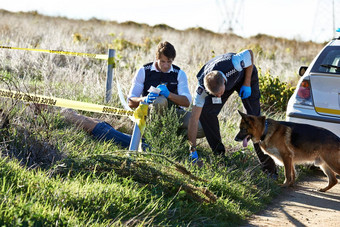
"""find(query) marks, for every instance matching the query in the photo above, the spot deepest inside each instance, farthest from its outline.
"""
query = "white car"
(316, 100)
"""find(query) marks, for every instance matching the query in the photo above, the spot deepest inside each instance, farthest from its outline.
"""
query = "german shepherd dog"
(291, 143)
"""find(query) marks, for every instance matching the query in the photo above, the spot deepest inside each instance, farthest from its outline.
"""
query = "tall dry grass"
(79, 78)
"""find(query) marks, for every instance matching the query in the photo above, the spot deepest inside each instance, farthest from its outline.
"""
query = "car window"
(328, 61)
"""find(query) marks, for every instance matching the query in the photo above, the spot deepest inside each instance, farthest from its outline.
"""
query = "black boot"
(219, 150)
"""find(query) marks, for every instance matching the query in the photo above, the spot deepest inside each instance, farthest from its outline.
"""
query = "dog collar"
(265, 130)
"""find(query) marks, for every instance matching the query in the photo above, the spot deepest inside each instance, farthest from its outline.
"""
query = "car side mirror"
(302, 70)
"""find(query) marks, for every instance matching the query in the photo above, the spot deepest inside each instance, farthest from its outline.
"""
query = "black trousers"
(211, 126)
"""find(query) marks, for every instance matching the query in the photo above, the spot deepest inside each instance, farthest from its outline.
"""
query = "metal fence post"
(109, 75)
(136, 135)
(135, 138)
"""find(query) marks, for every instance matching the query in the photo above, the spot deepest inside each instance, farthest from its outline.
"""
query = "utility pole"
(232, 14)
(333, 19)
(326, 20)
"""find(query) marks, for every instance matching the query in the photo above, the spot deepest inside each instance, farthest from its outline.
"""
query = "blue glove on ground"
(245, 92)
(164, 90)
(193, 157)
(151, 97)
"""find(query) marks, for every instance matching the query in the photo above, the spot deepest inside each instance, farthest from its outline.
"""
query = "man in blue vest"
(169, 78)
(217, 80)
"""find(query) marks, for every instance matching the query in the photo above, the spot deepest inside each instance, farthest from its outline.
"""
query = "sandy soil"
(303, 205)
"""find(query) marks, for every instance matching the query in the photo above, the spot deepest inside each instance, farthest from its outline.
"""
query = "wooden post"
(109, 75)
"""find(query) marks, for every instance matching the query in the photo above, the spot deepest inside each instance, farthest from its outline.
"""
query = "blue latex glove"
(245, 92)
(164, 90)
(151, 97)
(193, 157)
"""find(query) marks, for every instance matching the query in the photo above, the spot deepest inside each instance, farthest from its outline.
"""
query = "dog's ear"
(263, 119)
(243, 115)
(246, 118)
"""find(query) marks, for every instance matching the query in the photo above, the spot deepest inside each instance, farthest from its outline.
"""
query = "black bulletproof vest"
(224, 64)
(153, 78)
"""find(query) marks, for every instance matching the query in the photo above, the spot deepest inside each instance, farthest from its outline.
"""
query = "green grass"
(97, 183)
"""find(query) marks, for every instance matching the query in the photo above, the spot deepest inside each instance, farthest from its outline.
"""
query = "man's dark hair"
(167, 49)
(213, 82)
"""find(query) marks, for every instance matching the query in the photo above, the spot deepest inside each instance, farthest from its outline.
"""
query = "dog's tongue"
(245, 142)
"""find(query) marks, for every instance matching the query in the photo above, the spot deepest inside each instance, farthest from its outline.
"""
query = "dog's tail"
(332, 156)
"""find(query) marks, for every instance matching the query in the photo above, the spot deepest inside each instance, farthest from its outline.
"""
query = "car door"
(325, 82)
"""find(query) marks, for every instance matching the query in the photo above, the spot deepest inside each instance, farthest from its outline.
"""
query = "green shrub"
(256, 48)
(122, 44)
(163, 135)
(148, 43)
(274, 93)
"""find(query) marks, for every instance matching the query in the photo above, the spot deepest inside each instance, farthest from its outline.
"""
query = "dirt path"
(303, 205)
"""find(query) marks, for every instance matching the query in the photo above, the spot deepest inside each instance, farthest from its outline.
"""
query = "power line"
(232, 15)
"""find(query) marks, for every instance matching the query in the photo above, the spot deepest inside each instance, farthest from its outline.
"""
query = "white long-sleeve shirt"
(137, 87)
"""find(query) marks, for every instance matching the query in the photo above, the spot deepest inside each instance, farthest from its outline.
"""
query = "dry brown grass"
(83, 79)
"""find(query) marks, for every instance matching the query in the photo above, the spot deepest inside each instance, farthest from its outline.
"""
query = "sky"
(294, 19)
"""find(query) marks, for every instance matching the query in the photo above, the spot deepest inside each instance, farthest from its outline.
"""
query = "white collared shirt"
(137, 87)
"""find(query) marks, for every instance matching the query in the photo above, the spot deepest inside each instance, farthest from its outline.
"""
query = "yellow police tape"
(137, 116)
(97, 56)
(140, 116)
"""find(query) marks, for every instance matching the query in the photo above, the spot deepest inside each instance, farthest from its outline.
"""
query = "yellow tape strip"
(111, 61)
(97, 56)
(51, 101)
(326, 110)
(140, 116)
